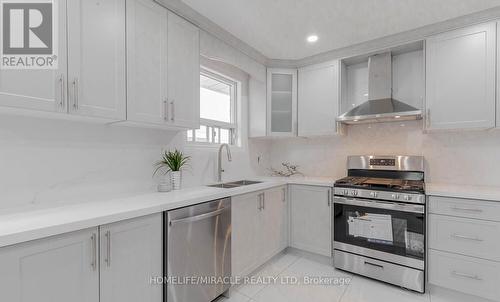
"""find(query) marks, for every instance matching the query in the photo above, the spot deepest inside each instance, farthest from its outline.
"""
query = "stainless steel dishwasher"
(198, 247)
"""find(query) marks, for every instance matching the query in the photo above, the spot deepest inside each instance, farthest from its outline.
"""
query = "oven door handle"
(401, 207)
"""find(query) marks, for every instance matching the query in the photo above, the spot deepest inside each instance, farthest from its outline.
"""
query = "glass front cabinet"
(281, 102)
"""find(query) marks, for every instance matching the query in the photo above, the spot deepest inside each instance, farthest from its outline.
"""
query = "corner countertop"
(463, 191)
(30, 223)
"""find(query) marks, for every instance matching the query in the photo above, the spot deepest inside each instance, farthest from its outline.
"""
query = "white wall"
(46, 161)
(466, 157)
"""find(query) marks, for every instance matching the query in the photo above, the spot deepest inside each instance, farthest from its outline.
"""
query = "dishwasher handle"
(198, 217)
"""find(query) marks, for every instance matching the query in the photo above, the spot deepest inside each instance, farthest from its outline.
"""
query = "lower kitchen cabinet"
(56, 269)
(107, 264)
(310, 219)
(463, 246)
(131, 253)
(259, 228)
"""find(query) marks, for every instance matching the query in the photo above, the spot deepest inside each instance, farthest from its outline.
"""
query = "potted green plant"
(173, 162)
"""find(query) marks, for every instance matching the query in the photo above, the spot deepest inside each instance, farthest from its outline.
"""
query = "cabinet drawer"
(465, 274)
(469, 237)
(468, 208)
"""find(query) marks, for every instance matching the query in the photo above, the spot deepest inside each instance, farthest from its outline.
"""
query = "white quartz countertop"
(34, 223)
(463, 191)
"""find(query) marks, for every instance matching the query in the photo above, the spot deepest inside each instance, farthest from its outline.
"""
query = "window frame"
(214, 125)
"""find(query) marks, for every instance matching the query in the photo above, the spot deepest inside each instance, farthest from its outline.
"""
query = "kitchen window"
(217, 110)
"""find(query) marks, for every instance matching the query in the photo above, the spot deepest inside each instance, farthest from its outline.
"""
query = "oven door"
(394, 232)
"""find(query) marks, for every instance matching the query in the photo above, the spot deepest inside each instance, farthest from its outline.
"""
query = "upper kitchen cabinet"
(90, 78)
(96, 58)
(318, 99)
(281, 102)
(183, 66)
(146, 62)
(44, 89)
(460, 78)
(163, 67)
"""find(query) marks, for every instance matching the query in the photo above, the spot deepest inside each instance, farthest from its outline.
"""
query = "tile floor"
(298, 264)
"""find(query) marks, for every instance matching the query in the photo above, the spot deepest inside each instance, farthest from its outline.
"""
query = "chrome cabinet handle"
(329, 197)
(172, 110)
(261, 201)
(464, 275)
(428, 118)
(61, 91)
(165, 110)
(108, 248)
(467, 237)
(467, 209)
(93, 251)
(284, 195)
(75, 93)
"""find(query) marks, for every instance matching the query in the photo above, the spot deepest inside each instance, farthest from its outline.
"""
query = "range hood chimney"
(380, 107)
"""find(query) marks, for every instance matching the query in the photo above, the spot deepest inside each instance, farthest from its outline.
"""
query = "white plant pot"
(176, 179)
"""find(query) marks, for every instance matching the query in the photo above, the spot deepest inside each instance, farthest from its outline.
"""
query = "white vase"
(176, 179)
(165, 184)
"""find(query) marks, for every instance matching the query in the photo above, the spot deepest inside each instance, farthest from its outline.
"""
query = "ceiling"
(278, 28)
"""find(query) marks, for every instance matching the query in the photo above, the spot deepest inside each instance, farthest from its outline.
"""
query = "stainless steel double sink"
(235, 184)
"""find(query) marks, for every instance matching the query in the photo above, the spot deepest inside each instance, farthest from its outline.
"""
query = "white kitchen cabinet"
(275, 222)
(318, 99)
(43, 90)
(163, 67)
(146, 62)
(56, 269)
(96, 58)
(183, 66)
(246, 221)
(310, 218)
(281, 102)
(469, 275)
(460, 78)
(131, 254)
(463, 246)
(259, 228)
(257, 108)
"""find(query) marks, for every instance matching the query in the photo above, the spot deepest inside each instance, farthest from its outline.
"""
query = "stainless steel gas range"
(379, 220)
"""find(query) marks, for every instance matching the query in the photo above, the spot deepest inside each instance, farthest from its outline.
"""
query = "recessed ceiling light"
(312, 38)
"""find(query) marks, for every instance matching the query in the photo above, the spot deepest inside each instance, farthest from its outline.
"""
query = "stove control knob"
(346, 192)
(395, 196)
(407, 197)
(374, 194)
(354, 193)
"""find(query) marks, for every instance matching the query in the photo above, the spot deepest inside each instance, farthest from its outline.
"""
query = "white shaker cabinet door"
(131, 254)
(275, 222)
(146, 62)
(43, 89)
(96, 58)
(460, 78)
(56, 269)
(245, 232)
(183, 73)
(318, 99)
(310, 219)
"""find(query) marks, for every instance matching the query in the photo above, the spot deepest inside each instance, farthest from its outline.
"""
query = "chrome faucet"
(219, 164)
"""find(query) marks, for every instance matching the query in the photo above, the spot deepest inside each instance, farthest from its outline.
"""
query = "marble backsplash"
(460, 157)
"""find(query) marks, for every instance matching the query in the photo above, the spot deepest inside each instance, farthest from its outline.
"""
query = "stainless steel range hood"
(380, 107)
